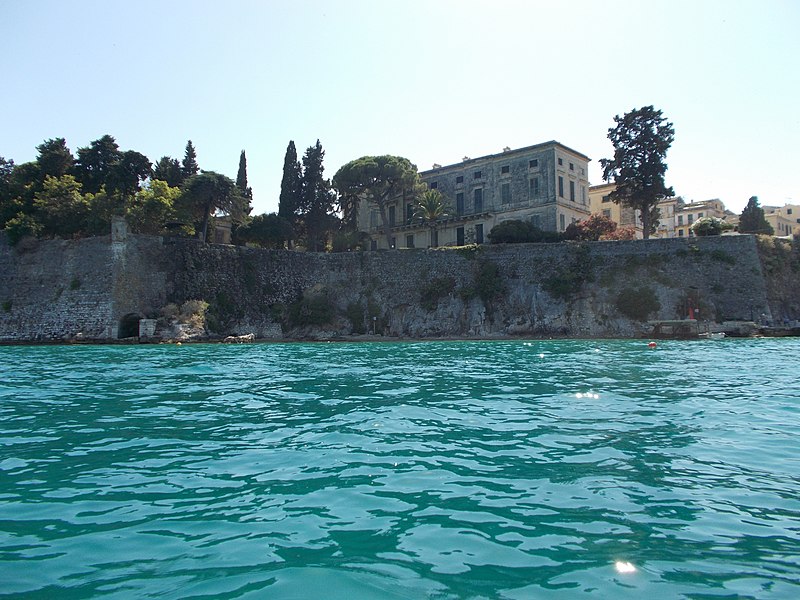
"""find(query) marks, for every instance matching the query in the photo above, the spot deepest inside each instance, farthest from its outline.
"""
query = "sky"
(431, 80)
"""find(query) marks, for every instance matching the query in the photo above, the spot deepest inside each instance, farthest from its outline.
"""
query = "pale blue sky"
(430, 80)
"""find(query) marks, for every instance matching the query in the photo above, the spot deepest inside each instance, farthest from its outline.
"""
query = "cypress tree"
(291, 186)
(189, 165)
(241, 177)
(316, 202)
(752, 219)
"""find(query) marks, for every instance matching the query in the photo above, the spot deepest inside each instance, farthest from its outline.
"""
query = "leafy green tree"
(189, 165)
(169, 170)
(20, 226)
(241, 177)
(641, 139)
(62, 207)
(266, 230)
(54, 159)
(95, 162)
(291, 189)
(378, 180)
(316, 204)
(152, 207)
(430, 207)
(210, 193)
(9, 206)
(752, 219)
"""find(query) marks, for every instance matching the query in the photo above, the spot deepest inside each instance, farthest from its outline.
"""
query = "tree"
(209, 193)
(267, 231)
(429, 208)
(641, 139)
(152, 207)
(591, 229)
(169, 170)
(291, 188)
(241, 177)
(752, 219)
(62, 207)
(377, 179)
(54, 159)
(95, 162)
(316, 199)
(127, 172)
(189, 165)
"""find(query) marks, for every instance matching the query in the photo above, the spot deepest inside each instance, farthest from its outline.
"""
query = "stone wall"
(63, 289)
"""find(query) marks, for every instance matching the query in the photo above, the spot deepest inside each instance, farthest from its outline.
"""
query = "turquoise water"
(401, 470)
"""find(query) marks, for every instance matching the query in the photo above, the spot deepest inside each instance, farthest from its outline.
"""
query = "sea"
(415, 470)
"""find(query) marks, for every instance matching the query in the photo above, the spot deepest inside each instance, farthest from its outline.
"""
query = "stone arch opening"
(129, 326)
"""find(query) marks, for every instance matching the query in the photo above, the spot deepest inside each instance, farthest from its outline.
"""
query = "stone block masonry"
(92, 288)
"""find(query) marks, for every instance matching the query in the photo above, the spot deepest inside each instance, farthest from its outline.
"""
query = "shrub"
(637, 303)
(313, 309)
(520, 232)
(434, 290)
(489, 283)
(707, 226)
(620, 234)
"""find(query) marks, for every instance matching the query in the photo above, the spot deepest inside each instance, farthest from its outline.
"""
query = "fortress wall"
(264, 291)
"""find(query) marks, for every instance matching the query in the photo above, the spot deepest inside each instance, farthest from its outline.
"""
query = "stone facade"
(95, 288)
(545, 184)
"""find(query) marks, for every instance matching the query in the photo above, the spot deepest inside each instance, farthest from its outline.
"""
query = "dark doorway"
(129, 326)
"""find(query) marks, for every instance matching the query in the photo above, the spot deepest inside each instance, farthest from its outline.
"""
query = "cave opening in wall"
(129, 326)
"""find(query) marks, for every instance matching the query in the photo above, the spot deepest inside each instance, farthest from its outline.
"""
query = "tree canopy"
(377, 179)
(208, 193)
(752, 219)
(641, 139)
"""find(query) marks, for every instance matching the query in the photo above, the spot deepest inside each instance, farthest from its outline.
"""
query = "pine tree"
(189, 165)
(317, 199)
(241, 177)
(752, 219)
(291, 187)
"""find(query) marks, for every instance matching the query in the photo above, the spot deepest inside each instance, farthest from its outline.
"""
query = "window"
(476, 175)
(410, 241)
(583, 195)
(533, 164)
(560, 162)
(479, 233)
(478, 200)
(393, 243)
(533, 186)
(690, 219)
(373, 245)
(606, 199)
(505, 193)
(434, 238)
(699, 215)
(788, 211)
(680, 232)
(460, 179)
(434, 185)
(460, 203)
(409, 213)
(391, 216)
(607, 213)
(572, 191)
(561, 222)
(460, 236)
(680, 219)
(561, 187)
(571, 167)
(505, 169)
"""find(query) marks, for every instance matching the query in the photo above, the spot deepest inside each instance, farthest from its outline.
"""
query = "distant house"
(545, 185)
(784, 219)
(600, 203)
